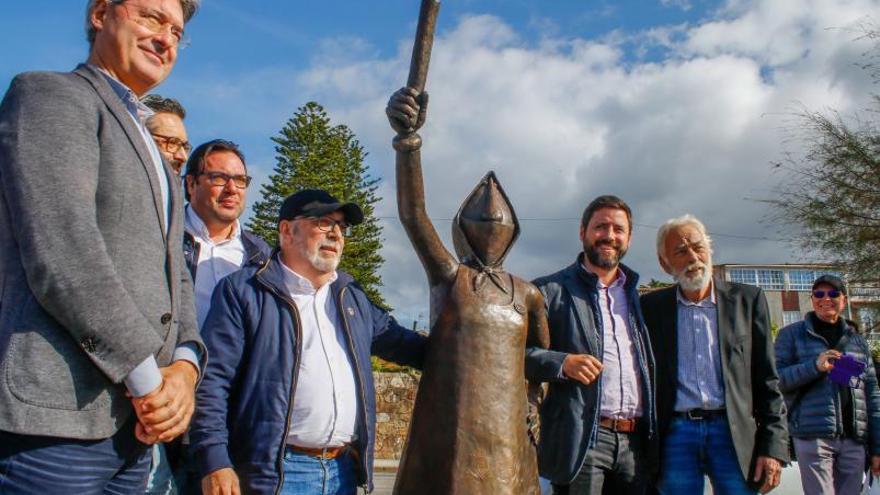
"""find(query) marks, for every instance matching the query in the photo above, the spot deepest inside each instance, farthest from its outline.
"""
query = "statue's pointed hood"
(485, 228)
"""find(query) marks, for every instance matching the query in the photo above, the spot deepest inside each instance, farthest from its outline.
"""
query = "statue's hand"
(407, 110)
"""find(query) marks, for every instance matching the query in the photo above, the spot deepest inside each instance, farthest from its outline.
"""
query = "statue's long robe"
(469, 432)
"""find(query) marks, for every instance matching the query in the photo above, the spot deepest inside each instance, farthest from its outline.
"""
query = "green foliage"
(380, 364)
(875, 349)
(311, 153)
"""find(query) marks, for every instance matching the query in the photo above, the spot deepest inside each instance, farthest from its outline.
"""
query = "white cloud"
(563, 120)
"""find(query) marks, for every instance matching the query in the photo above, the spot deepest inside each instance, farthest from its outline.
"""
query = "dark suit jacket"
(92, 281)
(755, 408)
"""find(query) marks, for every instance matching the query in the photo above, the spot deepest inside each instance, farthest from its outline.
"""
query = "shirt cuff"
(189, 352)
(144, 378)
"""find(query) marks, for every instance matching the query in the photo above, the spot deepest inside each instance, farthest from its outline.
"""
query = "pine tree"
(311, 153)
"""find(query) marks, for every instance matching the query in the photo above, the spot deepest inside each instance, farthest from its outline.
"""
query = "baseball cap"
(317, 203)
(831, 280)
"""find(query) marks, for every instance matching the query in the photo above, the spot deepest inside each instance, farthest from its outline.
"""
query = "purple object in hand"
(847, 371)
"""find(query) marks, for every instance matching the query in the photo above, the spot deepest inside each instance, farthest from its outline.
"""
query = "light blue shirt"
(146, 377)
(700, 381)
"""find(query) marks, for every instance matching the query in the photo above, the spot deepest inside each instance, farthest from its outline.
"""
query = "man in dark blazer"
(719, 408)
(597, 421)
(99, 347)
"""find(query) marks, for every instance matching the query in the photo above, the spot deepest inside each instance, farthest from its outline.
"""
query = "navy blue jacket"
(817, 411)
(570, 412)
(254, 339)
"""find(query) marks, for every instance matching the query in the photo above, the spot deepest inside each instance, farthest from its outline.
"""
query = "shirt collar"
(708, 302)
(197, 228)
(299, 285)
(132, 103)
(618, 282)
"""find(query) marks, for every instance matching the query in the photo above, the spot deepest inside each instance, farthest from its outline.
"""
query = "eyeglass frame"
(831, 293)
(344, 228)
(213, 175)
(168, 143)
(181, 40)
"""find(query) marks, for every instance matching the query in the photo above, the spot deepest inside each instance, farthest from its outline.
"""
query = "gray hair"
(160, 104)
(674, 223)
(189, 10)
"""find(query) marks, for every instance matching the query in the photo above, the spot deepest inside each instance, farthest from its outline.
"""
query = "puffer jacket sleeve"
(223, 333)
(794, 371)
(872, 398)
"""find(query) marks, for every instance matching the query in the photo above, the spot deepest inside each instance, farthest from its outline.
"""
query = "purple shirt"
(621, 396)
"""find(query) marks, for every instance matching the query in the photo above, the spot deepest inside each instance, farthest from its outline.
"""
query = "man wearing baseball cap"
(287, 403)
(834, 427)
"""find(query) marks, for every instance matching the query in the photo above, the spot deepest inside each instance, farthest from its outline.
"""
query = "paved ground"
(791, 483)
(383, 483)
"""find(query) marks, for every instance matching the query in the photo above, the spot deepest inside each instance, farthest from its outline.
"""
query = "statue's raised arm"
(406, 112)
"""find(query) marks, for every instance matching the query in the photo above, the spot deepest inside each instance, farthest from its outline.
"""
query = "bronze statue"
(469, 434)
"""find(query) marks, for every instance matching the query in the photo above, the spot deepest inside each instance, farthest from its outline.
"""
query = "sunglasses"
(820, 294)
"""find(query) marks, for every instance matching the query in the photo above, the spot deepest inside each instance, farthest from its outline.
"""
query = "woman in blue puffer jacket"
(834, 428)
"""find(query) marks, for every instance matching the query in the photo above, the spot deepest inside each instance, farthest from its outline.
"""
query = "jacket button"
(88, 344)
(166, 318)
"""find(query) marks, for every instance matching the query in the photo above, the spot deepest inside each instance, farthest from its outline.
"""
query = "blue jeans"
(161, 479)
(46, 465)
(308, 475)
(693, 449)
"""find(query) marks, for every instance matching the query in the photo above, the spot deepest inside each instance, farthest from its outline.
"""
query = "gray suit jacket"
(90, 285)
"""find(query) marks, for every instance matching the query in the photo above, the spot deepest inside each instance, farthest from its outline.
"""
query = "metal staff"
(421, 54)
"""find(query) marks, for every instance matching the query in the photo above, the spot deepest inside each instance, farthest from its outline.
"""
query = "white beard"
(324, 263)
(698, 281)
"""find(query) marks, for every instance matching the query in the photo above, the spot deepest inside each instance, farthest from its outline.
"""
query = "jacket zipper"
(357, 373)
(298, 331)
(838, 412)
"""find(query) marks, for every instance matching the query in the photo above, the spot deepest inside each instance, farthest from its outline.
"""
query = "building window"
(770, 279)
(789, 317)
(801, 280)
(743, 276)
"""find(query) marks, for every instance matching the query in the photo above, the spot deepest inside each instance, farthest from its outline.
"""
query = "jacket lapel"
(582, 309)
(726, 308)
(669, 308)
(102, 87)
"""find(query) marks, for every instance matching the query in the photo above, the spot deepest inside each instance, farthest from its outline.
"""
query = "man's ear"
(665, 266)
(582, 233)
(190, 184)
(96, 17)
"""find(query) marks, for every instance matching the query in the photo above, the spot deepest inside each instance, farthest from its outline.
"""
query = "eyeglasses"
(173, 144)
(820, 294)
(221, 179)
(326, 224)
(157, 23)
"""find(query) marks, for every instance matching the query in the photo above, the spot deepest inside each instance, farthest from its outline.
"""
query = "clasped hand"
(164, 413)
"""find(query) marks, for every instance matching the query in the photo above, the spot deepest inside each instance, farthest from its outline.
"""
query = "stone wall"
(395, 396)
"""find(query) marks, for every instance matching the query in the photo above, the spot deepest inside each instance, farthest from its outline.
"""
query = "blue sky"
(675, 105)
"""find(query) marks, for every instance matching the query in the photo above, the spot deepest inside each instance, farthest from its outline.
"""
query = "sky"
(676, 106)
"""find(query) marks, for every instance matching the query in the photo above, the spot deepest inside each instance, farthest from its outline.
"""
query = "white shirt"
(216, 260)
(325, 402)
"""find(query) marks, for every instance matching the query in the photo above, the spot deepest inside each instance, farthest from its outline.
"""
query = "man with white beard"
(719, 409)
(287, 402)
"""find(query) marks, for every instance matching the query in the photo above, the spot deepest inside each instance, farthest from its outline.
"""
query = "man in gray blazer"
(99, 347)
